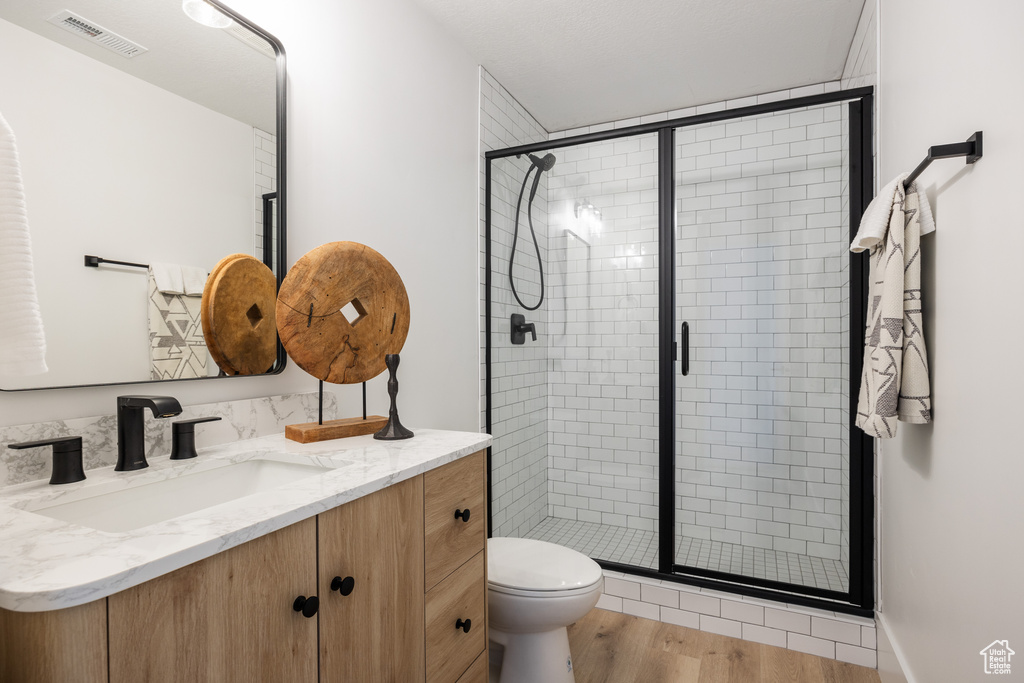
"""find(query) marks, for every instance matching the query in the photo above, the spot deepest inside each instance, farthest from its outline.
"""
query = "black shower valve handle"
(520, 327)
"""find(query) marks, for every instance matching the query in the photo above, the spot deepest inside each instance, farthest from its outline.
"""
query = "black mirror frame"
(280, 200)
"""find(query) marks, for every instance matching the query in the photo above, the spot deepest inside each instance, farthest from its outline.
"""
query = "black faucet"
(131, 441)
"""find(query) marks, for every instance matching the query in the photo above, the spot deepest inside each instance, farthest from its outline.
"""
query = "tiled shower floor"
(640, 548)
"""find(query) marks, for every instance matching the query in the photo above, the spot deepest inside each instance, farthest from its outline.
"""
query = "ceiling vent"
(69, 21)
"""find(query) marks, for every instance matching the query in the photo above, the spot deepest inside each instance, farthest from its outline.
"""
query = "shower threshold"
(640, 549)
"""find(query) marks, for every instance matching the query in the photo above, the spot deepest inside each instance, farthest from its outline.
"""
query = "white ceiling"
(579, 62)
(202, 64)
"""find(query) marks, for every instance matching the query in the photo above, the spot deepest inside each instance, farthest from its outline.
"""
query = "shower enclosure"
(685, 411)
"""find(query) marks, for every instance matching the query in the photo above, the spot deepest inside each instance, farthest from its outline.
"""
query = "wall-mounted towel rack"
(970, 149)
(95, 261)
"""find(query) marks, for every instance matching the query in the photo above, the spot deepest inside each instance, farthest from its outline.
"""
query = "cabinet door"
(376, 632)
(224, 619)
(64, 645)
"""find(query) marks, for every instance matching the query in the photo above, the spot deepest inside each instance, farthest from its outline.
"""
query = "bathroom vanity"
(370, 566)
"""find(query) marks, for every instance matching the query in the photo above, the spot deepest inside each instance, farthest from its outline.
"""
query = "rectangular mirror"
(144, 137)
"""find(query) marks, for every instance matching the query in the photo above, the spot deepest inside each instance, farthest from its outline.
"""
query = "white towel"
(875, 222)
(22, 341)
(168, 278)
(194, 280)
(894, 385)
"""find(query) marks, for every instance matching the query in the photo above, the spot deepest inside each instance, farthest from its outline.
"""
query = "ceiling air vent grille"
(69, 21)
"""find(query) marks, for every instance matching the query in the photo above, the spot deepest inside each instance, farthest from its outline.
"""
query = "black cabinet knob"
(464, 625)
(308, 606)
(462, 514)
(343, 586)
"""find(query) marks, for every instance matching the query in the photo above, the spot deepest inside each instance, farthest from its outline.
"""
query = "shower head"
(544, 164)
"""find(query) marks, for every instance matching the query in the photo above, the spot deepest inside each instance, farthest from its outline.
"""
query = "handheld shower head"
(544, 164)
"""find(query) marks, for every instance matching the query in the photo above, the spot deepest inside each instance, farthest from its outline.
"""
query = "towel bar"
(970, 149)
(95, 261)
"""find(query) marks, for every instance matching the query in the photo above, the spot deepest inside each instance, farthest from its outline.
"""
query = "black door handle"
(462, 514)
(464, 625)
(343, 586)
(685, 343)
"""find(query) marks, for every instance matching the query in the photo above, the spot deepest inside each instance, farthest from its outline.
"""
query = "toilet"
(534, 591)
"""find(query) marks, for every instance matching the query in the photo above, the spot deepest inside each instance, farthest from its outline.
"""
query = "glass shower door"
(762, 283)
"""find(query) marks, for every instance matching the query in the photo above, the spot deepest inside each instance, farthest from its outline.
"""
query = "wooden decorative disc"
(238, 315)
(340, 310)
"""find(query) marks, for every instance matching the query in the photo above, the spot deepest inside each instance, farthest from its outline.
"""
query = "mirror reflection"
(145, 138)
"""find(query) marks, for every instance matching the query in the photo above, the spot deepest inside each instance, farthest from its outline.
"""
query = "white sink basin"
(125, 509)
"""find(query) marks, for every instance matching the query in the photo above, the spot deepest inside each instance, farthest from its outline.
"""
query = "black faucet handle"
(67, 457)
(520, 327)
(183, 437)
(189, 424)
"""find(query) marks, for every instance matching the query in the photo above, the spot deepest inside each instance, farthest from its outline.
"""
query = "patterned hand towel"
(22, 342)
(895, 384)
(177, 347)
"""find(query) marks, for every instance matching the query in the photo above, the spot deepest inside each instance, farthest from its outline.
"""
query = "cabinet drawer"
(477, 672)
(450, 541)
(461, 596)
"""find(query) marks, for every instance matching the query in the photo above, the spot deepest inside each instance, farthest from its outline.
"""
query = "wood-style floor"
(608, 647)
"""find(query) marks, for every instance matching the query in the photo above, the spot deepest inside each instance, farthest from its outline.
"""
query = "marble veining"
(244, 419)
(48, 564)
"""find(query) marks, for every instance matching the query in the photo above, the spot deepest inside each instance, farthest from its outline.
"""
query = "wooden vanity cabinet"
(228, 618)
(375, 633)
(47, 647)
(418, 575)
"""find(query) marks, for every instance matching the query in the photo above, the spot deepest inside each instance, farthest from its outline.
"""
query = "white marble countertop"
(48, 564)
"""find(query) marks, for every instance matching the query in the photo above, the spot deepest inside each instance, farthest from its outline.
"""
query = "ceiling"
(580, 62)
(205, 65)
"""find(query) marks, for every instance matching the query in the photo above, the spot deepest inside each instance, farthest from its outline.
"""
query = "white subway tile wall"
(603, 337)
(761, 280)
(519, 397)
(265, 170)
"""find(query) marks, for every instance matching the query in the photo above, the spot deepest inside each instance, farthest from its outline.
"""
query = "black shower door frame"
(859, 600)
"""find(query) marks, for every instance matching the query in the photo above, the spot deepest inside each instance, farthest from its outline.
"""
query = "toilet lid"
(539, 566)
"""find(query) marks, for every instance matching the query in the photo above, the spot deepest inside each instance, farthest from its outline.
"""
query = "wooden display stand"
(311, 432)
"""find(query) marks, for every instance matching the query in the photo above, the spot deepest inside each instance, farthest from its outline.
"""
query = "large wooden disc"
(326, 343)
(238, 315)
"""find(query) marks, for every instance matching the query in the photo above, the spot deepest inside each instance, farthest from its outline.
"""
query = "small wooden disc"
(238, 315)
(322, 340)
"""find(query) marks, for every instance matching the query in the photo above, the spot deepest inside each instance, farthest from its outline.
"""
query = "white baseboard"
(892, 666)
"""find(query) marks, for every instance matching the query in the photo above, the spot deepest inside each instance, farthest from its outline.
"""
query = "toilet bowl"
(534, 591)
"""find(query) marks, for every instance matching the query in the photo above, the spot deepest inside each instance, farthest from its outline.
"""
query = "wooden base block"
(311, 432)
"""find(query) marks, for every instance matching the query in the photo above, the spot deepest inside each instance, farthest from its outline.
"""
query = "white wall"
(952, 514)
(382, 149)
(109, 166)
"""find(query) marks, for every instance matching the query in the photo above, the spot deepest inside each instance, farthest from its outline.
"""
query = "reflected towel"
(177, 348)
(167, 277)
(194, 280)
(22, 341)
(894, 385)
